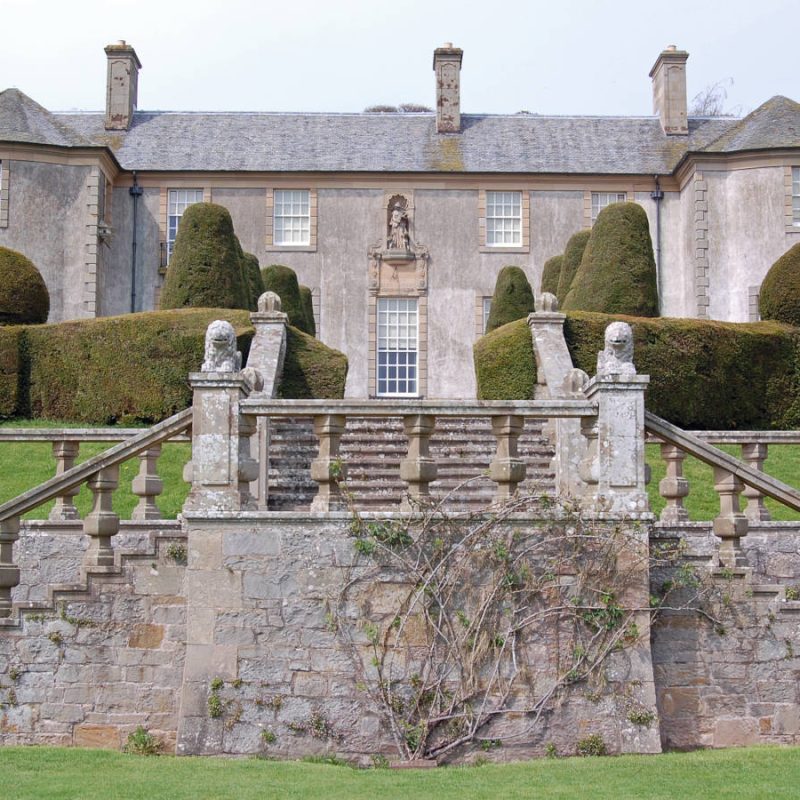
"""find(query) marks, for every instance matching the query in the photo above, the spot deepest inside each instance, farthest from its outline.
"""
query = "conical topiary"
(512, 298)
(617, 274)
(255, 282)
(573, 254)
(205, 270)
(24, 299)
(551, 273)
(308, 310)
(283, 281)
(779, 298)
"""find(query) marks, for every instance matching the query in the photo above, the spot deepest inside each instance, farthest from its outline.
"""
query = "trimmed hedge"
(512, 298)
(283, 281)
(779, 298)
(551, 274)
(308, 310)
(311, 370)
(573, 254)
(703, 375)
(134, 368)
(617, 274)
(252, 274)
(205, 270)
(24, 299)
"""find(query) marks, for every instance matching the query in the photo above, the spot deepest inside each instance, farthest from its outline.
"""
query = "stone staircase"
(373, 447)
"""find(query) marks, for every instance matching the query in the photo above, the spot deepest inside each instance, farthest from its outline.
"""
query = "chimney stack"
(447, 66)
(669, 90)
(121, 85)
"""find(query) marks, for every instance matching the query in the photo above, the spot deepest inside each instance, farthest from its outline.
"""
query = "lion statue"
(220, 353)
(617, 357)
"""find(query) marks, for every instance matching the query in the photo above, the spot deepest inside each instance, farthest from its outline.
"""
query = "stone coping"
(740, 437)
(77, 435)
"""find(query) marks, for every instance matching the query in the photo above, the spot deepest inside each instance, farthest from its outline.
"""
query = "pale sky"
(562, 57)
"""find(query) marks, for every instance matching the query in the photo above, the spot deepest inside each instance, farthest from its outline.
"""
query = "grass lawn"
(25, 465)
(46, 773)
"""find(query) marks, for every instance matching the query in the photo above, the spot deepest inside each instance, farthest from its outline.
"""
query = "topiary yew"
(779, 298)
(573, 254)
(308, 310)
(617, 274)
(205, 270)
(283, 281)
(512, 298)
(24, 299)
(551, 274)
(252, 274)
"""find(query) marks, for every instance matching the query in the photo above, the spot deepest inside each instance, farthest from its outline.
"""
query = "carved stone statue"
(617, 357)
(398, 229)
(220, 353)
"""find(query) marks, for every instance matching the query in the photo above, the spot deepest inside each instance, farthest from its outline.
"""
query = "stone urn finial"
(269, 302)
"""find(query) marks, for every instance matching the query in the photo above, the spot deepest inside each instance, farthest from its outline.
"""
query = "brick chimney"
(669, 90)
(121, 85)
(447, 66)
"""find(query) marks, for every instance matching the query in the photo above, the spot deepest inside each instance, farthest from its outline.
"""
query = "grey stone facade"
(725, 216)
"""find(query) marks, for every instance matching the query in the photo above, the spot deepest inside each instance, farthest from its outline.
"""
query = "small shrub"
(142, 743)
(269, 737)
(551, 274)
(617, 274)
(503, 363)
(779, 298)
(592, 746)
(177, 553)
(307, 302)
(310, 369)
(252, 274)
(792, 592)
(642, 717)
(205, 269)
(24, 299)
(512, 298)
(573, 254)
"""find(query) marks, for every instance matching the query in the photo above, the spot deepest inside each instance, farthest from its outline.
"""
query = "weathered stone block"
(146, 636)
(735, 732)
(102, 736)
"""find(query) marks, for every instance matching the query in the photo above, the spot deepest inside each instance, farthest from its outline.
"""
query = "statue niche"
(397, 265)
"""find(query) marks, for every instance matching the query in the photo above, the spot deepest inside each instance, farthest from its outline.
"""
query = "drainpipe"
(658, 195)
(135, 192)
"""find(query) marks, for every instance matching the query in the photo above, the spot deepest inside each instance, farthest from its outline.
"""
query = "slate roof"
(395, 143)
(372, 142)
(24, 120)
(774, 124)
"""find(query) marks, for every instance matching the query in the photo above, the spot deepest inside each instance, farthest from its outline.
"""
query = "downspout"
(135, 192)
(658, 195)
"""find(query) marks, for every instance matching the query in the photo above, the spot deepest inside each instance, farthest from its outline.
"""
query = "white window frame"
(178, 200)
(503, 218)
(601, 200)
(398, 341)
(796, 197)
(291, 218)
(486, 310)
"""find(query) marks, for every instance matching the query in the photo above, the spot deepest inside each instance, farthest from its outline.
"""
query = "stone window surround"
(4, 181)
(311, 247)
(792, 184)
(525, 211)
(163, 214)
(482, 303)
(588, 221)
(622, 197)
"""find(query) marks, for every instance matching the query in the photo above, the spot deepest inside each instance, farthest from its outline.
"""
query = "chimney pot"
(669, 90)
(122, 83)
(447, 66)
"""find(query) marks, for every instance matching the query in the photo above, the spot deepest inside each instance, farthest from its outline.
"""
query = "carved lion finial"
(220, 353)
(546, 302)
(617, 357)
(270, 302)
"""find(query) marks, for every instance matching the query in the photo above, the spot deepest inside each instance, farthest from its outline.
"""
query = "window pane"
(397, 346)
(178, 200)
(504, 218)
(292, 216)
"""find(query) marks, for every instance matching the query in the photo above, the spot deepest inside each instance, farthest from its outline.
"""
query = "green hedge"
(308, 310)
(283, 281)
(551, 274)
(134, 368)
(512, 298)
(703, 375)
(24, 299)
(312, 370)
(573, 254)
(779, 298)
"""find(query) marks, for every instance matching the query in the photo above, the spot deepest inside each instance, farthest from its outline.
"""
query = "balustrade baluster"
(588, 468)
(417, 469)
(9, 572)
(147, 485)
(674, 487)
(731, 524)
(506, 469)
(754, 455)
(101, 523)
(65, 454)
(326, 469)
